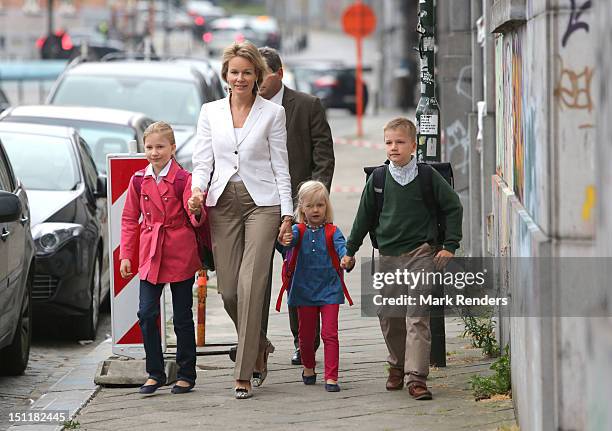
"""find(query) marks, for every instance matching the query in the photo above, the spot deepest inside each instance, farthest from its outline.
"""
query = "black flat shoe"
(149, 389)
(296, 359)
(332, 387)
(309, 380)
(176, 389)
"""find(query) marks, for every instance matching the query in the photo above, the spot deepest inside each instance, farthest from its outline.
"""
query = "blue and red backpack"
(290, 262)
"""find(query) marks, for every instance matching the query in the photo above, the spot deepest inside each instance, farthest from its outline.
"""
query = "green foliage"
(71, 424)
(498, 383)
(481, 330)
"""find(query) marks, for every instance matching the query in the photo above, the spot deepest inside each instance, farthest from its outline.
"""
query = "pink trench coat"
(168, 249)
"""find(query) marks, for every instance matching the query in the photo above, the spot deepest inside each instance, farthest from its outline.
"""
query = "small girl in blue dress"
(314, 278)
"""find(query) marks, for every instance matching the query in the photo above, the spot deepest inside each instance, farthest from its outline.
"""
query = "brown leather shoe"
(419, 391)
(395, 381)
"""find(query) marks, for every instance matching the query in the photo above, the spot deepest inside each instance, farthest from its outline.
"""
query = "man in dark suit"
(311, 152)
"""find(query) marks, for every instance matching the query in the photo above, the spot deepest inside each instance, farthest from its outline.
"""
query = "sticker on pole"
(127, 338)
(428, 124)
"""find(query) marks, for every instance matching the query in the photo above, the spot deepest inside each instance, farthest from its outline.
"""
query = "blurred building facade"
(22, 22)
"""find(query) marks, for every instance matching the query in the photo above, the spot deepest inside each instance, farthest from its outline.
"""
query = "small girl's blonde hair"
(312, 191)
(162, 128)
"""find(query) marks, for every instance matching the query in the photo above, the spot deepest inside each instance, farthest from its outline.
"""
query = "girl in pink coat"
(164, 246)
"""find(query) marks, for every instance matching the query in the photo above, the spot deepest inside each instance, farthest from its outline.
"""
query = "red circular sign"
(358, 20)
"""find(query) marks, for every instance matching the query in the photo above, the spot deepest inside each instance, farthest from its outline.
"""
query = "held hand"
(284, 228)
(348, 263)
(442, 258)
(125, 268)
(287, 238)
(195, 201)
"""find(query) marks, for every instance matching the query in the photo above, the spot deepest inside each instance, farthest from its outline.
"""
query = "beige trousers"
(408, 338)
(243, 236)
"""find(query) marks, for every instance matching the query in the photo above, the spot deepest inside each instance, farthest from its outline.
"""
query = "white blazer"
(259, 157)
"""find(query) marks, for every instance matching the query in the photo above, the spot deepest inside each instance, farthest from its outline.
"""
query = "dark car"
(162, 90)
(68, 45)
(68, 219)
(16, 272)
(4, 102)
(105, 130)
(332, 82)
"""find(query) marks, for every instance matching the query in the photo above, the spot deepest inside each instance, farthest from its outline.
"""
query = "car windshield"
(42, 162)
(101, 138)
(176, 102)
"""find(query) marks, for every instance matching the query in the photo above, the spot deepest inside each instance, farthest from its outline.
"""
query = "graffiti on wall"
(574, 22)
(573, 88)
(499, 105)
(518, 145)
(457, 139)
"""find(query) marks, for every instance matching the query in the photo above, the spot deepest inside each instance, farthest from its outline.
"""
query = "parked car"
(105, 130)
(214, 84)
(4, 102)
(268, 26)
(332, 82)
(162, 90)
(203, 14)
(67, 45)
(16, 272)
(68, 213)
(225, 31)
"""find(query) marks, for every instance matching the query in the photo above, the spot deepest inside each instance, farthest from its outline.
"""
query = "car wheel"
(14, 358)
(87, 326)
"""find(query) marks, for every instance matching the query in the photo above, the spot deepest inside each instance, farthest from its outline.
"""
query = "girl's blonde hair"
(249, 52)
(162, 128)
(312, 191)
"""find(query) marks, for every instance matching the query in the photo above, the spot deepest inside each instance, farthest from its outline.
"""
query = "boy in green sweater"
(406, 235)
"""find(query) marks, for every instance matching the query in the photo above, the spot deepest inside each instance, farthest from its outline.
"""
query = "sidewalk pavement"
(284, 401)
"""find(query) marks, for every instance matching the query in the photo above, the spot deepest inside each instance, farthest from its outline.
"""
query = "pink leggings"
(308, 316)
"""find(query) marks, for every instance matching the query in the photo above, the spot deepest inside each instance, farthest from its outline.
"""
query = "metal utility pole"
(428, 111)
(50, 18)
(428, 148)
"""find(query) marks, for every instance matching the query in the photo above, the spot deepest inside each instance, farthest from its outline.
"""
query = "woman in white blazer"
(241, 141)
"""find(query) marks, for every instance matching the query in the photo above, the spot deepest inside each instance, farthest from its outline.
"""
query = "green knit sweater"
(405, 223)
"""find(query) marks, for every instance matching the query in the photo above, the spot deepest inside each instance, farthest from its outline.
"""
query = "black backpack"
(425, 172)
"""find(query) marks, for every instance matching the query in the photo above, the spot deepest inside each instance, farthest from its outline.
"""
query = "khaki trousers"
(408, 338)
(243, 236)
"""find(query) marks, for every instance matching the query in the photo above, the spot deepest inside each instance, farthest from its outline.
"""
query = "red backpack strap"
(180, 181)
(330, 230)
(289, 266)
(137, 181)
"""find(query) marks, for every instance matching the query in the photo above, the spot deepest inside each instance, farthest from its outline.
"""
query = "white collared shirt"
(162, 174)
(404, 174)
(278, 97)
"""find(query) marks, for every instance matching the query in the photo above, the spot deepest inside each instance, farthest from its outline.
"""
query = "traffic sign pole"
(359, 88)
(359, 21)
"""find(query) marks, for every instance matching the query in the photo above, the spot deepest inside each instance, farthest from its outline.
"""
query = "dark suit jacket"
(309, 140)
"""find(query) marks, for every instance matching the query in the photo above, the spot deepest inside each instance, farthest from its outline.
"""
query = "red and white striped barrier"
(127, 338)
(360, 143)
(347, 189)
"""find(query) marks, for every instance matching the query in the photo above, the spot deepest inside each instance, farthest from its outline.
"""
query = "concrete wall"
(543, 195)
